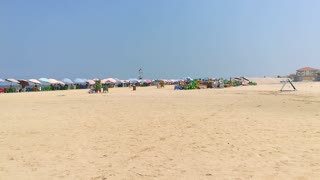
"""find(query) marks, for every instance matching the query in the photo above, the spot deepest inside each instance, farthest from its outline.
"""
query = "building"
(307, 74)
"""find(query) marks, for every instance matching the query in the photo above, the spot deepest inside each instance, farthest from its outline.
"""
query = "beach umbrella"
(46, 80)
(133, 80)
(23, 82)
(67, 81)
(12, 80)
(54, 81)
(91, 82)
(34, 81)
(60, 82)
(146, 81)
(79, 81)
(108, 80)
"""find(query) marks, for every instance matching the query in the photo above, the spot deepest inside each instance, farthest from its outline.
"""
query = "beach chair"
(287, 82)
(92, 91)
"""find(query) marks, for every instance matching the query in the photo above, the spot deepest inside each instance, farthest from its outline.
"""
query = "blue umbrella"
(133, 80)
(80, 81)
(67, 81)
(44, 80)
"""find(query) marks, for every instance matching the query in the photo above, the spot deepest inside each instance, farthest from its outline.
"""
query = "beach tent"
(67, 81)
(34, 81)
(79, 81)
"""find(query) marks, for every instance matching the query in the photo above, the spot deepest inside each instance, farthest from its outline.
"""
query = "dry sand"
(235, 133)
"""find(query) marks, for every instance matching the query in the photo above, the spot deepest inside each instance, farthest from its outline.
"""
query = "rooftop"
(308, 69)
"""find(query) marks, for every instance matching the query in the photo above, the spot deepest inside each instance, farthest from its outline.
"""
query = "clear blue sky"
(167, 38)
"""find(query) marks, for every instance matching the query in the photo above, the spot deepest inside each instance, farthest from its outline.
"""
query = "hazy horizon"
(167, 39)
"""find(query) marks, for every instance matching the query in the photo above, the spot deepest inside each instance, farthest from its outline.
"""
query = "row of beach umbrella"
(69, 81)
(64, 81)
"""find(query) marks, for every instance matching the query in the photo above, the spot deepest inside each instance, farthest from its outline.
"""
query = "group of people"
(98, 88)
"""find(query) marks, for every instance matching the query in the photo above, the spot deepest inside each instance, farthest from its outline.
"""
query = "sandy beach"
(251, 132)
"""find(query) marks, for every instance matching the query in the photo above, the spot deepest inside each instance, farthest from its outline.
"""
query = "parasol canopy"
(12, 80)
(91, 82)
(80, 81)
(133, 80)
(146, 81)
(54, 81)
(34, 81)
(108, 80)
(23, 82)
(46, 80)
(67, 81)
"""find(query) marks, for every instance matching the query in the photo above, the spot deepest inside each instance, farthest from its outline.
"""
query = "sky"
(166, 38)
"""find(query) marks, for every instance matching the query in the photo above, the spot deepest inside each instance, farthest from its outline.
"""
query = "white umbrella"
(60, 82)
(12, 80)
(91, 82)
(54, 81)
(103, 81)
(34, 81)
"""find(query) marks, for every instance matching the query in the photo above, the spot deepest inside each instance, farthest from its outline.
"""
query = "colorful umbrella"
(146, 81)
(23, 82)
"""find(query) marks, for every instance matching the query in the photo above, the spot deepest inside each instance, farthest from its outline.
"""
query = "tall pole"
(140, 74)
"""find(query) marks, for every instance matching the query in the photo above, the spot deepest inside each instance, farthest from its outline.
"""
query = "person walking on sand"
(105, 88)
